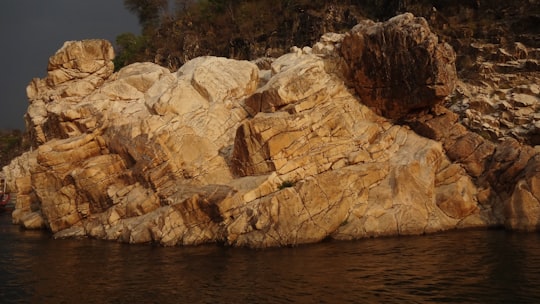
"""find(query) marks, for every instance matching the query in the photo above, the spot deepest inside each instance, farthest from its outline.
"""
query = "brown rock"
(457, 199)
(473, 151)
(440, 124)
(522, 210)
(80, 59)
(509, 161)
(399, 66)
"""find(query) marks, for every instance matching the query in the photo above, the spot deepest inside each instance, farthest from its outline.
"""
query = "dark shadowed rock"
(399, 66)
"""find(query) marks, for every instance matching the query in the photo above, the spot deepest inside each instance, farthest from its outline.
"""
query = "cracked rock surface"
(288, 153)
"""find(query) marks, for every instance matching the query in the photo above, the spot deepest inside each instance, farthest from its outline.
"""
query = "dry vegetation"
(249, 29)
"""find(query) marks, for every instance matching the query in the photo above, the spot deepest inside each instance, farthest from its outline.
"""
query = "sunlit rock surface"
(275, 154)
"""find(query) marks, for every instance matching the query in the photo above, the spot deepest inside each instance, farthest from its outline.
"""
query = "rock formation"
(399, 65)
(503, 100)
(266, 153)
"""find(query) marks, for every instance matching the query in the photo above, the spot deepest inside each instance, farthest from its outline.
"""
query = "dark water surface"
(456, 267)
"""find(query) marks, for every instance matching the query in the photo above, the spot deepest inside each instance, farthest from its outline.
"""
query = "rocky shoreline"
(364, 134)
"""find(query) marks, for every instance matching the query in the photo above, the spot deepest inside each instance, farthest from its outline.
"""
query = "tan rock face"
(496, 169)
(223, 151)
(399, 66)
(523, 209)
(77, 70)
(77, 60)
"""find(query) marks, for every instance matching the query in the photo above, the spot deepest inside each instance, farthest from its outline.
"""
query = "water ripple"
(456, 267)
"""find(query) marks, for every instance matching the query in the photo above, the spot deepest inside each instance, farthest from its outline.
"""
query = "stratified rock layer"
(504, 98)
(224, 151)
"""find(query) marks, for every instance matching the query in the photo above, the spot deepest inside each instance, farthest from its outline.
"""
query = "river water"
(485, 266)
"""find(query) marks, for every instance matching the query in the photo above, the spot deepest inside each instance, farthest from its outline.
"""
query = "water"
(456, 267)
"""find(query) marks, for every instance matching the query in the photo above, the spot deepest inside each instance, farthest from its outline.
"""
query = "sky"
(33, 30)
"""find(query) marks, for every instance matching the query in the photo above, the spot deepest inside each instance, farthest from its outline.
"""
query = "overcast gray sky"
(32, 30)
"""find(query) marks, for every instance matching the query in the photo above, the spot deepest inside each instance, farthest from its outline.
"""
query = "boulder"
(80, 59)
(33, 220)
(399, 66)
(74, 72)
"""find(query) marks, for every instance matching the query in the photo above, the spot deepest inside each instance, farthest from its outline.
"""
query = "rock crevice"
(345, 140)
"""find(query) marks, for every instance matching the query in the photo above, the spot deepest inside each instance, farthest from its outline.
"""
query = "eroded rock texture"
(275, 154)
(504, 99)
(399, 66)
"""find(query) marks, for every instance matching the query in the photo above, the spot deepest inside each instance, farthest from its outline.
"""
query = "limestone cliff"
(275, 152)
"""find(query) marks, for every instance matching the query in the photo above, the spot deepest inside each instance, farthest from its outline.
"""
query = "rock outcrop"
(503, 99)
(399, 66)
(278, 153)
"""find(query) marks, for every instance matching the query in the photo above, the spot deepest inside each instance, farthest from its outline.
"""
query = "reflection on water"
(456, 267)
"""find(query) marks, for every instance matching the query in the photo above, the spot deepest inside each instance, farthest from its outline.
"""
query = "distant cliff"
(361, 134)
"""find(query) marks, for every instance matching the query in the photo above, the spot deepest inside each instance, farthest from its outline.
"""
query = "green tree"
(149, 12)
(130, 49)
